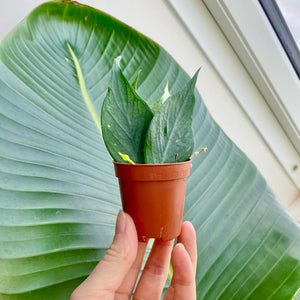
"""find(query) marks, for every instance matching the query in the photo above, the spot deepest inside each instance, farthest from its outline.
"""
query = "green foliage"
(125, 118)
(128, 126)
(157, 104)
(170, 136)
(58, 194)
(135, 81)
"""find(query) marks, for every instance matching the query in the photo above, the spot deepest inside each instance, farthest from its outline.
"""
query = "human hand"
(116, 274)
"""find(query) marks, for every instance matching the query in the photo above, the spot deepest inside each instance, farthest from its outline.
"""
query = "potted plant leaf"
(151, 147)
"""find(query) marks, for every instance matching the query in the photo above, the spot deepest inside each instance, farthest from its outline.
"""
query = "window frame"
(283, 32)
(268, 92)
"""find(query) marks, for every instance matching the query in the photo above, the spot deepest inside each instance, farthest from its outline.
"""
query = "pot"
(153, 195)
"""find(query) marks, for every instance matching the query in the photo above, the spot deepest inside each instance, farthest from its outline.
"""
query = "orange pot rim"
(151, 165)
(152, 172)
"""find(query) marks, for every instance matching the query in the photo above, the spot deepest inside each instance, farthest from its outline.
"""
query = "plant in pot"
(58, 200)
(151, 147)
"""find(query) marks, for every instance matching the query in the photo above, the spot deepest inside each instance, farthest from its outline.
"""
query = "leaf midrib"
(83, 89)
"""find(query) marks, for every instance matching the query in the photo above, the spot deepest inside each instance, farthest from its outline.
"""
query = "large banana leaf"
(59, 197)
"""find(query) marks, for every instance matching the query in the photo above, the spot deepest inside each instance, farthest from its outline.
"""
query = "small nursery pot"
(153, 195)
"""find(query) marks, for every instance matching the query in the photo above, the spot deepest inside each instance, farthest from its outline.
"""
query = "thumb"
(112, 269)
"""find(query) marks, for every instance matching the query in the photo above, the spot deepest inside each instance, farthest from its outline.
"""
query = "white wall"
(157, 20)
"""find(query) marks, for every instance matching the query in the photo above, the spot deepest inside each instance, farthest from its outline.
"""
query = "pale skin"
(115, 276)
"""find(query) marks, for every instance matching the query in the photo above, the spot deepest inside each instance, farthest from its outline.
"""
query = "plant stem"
(197, 153)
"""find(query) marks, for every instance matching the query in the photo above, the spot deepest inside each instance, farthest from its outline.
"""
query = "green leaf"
(297, 295)
(157, 104)
(125, 118)
(84, 92)
(170, 136)
(59, 197)
(135, 81)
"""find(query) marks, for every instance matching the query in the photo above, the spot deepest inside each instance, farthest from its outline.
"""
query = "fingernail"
(180, 245)
(121, 222)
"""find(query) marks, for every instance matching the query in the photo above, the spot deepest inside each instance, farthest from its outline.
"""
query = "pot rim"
(153, 172)
(153, 165)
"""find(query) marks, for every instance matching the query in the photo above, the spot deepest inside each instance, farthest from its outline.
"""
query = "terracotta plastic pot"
(153, 195)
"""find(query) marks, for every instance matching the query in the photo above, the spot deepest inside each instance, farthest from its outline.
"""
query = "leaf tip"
(126, 157)
(117, 61)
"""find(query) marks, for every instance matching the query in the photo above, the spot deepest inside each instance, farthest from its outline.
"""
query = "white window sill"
(250, 60)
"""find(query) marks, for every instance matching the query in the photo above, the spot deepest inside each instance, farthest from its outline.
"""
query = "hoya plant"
(58, 194)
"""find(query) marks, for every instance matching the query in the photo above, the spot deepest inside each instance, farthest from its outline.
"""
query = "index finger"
(187, 237)
(155, 271)
(128, 283)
